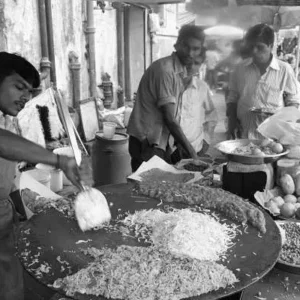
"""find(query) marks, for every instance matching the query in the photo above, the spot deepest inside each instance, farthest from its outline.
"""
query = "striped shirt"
(8, 123)
(249, 89)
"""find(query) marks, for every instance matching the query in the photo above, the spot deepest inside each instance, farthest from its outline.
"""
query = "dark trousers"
(11, 271)
(143, 151)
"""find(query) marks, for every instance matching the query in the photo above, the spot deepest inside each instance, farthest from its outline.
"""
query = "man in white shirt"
(197, 115)
(261, 82)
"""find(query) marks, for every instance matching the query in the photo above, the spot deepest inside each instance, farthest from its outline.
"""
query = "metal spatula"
(91, 208)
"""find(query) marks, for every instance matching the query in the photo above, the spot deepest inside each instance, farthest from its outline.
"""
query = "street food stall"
(51, 246)
(174, 232)
(188, 231)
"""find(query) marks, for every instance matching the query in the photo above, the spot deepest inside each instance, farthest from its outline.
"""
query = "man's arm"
(16, 148)
(168, 111)
(292, 89)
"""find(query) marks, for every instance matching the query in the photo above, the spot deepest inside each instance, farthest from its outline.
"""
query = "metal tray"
(285, 266)
(50, 235)
(227, 147)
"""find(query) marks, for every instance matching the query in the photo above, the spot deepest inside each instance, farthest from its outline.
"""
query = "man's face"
(189, 50)
(260, 52)
(15, 92)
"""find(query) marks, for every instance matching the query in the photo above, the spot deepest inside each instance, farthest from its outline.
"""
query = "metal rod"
(51, 41)
(120, 52)
(90, 31)
(297, 54)
(79, 138)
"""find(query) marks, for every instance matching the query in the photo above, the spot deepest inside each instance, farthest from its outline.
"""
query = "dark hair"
(190, 31)
(14, 63)
(262, 33)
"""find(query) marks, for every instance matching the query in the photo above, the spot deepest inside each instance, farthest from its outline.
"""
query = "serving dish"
(227, 148)
(281, 264)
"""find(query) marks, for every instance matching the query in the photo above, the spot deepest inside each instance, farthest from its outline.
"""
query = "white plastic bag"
(115, 116)
(283, 126)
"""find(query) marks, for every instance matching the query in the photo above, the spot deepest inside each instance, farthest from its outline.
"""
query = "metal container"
(110, 159)
(227, 148)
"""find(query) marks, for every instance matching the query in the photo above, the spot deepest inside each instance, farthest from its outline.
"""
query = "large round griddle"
(51, 238)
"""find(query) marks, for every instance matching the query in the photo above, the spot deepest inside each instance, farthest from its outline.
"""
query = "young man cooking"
(263, 82)
(153, 117)
(17, 79)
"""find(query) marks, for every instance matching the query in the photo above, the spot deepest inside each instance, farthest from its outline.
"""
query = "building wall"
(106, 46)
(20, 32)
(21, 29)
(165, 38)
(137, 59)
(68, 31)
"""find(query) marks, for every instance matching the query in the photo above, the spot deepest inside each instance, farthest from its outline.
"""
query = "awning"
(149, 2)
(244, 16)
(269, 2)
(224, 31)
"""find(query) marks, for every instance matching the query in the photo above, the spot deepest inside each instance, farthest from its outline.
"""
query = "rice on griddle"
(146, 273)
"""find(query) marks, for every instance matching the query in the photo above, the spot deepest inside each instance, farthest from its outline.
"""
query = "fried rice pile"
(146, 273)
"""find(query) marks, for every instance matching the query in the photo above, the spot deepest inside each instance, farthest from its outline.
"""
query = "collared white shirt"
(249, 89)
(197, 114)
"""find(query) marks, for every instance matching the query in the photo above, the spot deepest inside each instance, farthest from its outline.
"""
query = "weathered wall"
(163, 43)
(20, 32)
(21, 29)
(106, 46)
(68, 34)
(136, 30)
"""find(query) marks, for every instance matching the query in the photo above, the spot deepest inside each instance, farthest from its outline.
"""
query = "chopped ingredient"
(138, 273)
(185, 233)
(161, 175)
(290, 251)
(230, 205)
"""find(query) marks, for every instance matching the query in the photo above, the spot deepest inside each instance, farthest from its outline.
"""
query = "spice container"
(287, 166)
(55, 177)
(56, 183)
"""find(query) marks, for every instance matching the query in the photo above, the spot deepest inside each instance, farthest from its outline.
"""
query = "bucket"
(110, 159)
(67, 151)
(42, 176)
(56, 180)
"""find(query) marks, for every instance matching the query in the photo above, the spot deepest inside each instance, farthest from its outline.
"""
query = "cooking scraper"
(91, 208)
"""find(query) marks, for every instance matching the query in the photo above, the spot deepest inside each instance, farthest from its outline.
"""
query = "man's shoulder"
(244, 65)
(165, 63)
(284, 65)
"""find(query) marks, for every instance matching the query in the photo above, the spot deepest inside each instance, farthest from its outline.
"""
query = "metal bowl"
(283, 265)
(227, 148)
